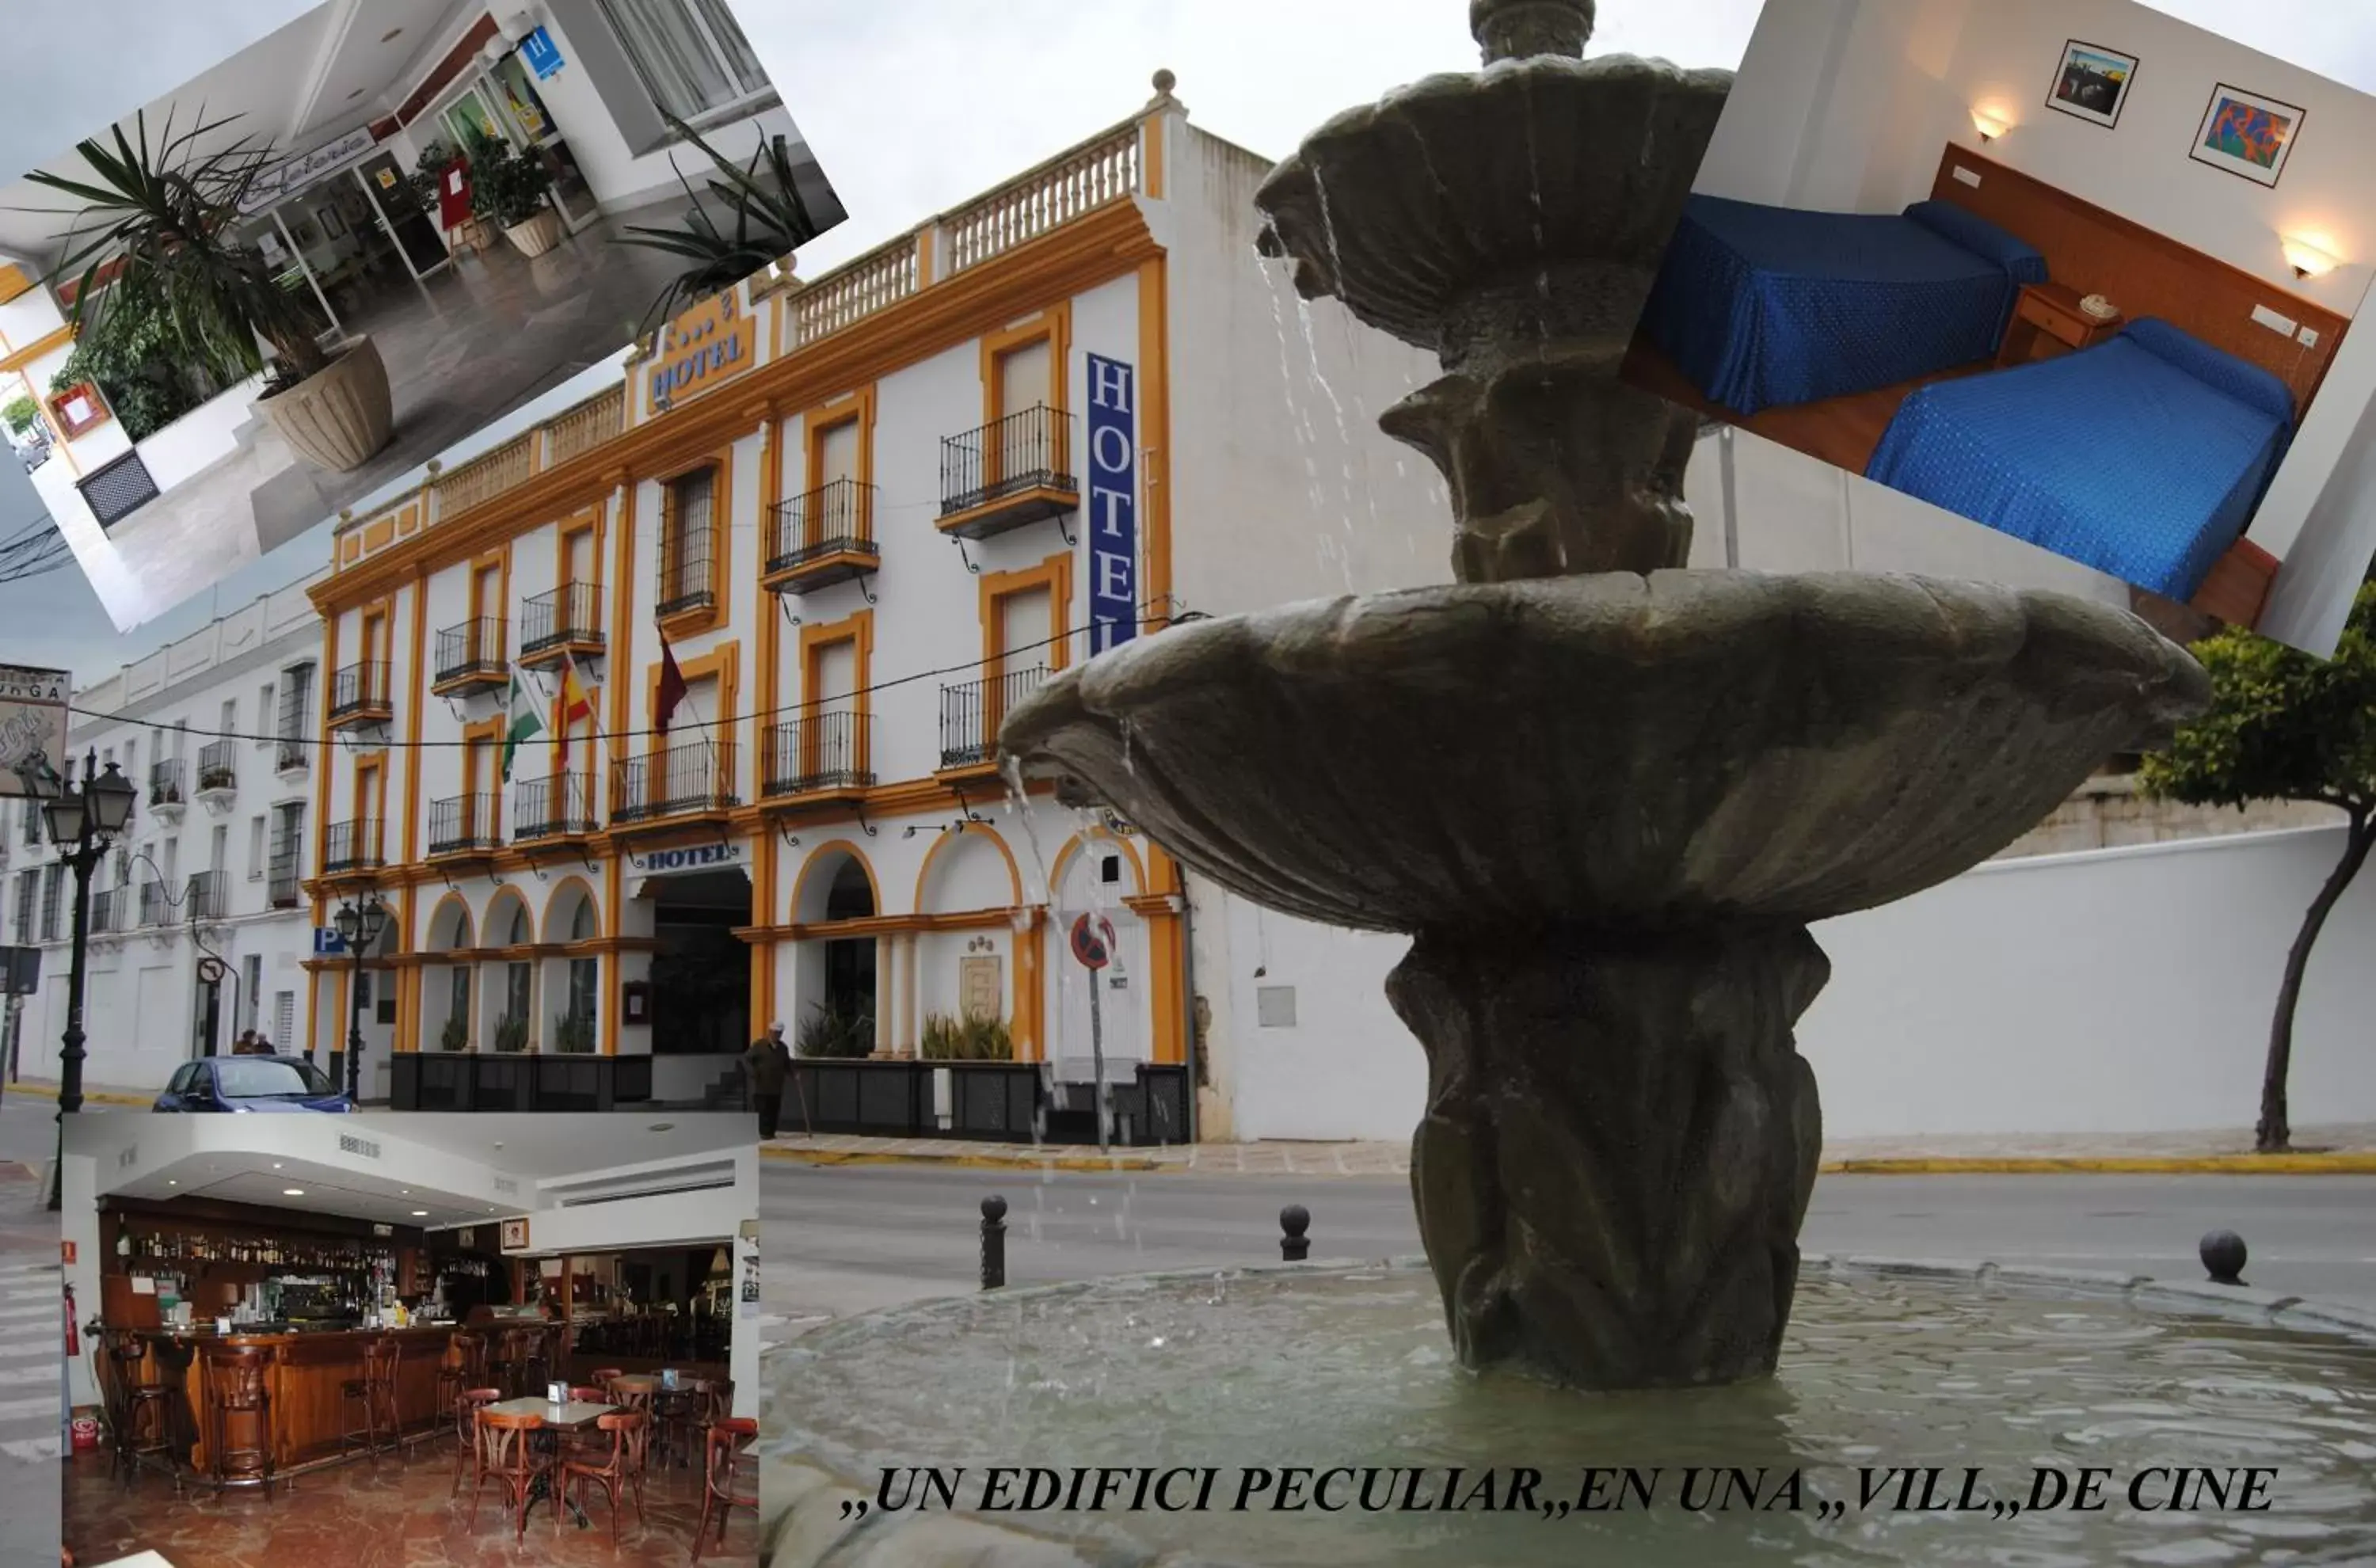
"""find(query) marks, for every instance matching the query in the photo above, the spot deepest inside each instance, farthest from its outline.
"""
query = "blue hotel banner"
(1114, 503)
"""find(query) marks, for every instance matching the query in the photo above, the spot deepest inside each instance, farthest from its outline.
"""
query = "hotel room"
(2077, 271)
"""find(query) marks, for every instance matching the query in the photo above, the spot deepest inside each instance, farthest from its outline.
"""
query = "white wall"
(200, 438)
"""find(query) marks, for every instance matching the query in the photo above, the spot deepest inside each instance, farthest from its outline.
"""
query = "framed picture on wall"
(77, 410)
(515, 1235)
(2247, 135)
(2091, 83)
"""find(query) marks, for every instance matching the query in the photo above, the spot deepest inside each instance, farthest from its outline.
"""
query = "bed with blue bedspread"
(2143, 456)
(1761, 306)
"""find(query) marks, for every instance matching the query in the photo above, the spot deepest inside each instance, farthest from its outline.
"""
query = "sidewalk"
(31, 1331)
(2332, 1149)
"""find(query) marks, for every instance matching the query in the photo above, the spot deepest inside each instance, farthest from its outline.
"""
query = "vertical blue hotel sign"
(1114, 503)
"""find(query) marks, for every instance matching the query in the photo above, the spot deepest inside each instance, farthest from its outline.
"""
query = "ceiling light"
(419, 1214)
(663, 1126)
(293, 1192)
(171, 1183)
(275, 1165)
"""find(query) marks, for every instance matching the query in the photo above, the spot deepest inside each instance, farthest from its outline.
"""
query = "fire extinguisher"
(73, 1338)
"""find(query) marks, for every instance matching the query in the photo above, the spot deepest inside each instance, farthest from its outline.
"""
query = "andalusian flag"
(574, 704)
(526, 722)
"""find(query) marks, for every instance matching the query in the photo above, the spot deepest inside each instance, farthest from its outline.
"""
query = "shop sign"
(1113, 504)
(688, 857)
(712, 343)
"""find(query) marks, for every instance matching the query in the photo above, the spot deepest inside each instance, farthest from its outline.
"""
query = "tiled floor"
(388, 1517)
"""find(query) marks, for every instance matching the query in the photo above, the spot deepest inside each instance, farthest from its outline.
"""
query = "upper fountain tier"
(1531, 199)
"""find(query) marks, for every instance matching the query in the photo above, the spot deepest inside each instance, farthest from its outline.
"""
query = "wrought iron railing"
(359, 688)
(1029, 449)
(568, 617)
(685, 574)
(165, 782)
(464, 822)
(551, 808)
(971, 713)
(352, 845)
(219, 766)
(203, 898)
(817, 751)
(154, 909)
(833, 520)
(473, 648)
(694, 777)
(280, 880)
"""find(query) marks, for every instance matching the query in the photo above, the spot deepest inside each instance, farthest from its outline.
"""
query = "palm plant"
(511, 1033)
(456, 1035)
(162, 216)
(573, 1033)
(770, 222)
(837, 1028)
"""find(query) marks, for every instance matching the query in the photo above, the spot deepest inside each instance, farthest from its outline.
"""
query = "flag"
(672, 691)
(574, 704)
(525, 723)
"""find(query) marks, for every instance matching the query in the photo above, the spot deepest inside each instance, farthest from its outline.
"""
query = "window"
(582, 971)
(284, 1019)
(230, 717)
(686, 535)
(458, 1002)
(32, 821)
(52, 883)
(28, 889)
(516, 996)
(691, 56)
(251, 990)
(182, 1081)
(296, 700)
(219, 850)
(264, 710)
(256, 852)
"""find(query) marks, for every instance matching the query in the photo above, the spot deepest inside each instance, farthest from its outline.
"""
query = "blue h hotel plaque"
(1114, 503)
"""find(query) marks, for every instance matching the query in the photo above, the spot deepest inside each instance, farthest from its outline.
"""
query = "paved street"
(851, 1239)
(31, 1322)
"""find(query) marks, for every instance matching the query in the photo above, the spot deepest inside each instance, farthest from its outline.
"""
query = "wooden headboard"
(2145, 273)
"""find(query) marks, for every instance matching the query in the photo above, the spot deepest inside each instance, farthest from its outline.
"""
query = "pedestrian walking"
(768, 1064)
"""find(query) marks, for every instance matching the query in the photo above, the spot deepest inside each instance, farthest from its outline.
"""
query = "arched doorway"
(835, 978)
(508, 1006)
(1095, 873)
(701, 970)
(447, 989)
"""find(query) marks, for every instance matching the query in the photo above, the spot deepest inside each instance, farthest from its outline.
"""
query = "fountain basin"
(1345, 1366)
(1676, 751)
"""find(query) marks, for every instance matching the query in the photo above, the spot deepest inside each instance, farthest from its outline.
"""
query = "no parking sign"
(1093, 941)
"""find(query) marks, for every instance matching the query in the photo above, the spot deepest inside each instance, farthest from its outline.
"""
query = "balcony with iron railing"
(203, 898)
(1008, 474)
(821, 538)
(361, 694)
(568, 619)
(351, 845)
(559, 807)
(464, 825)
(155, 909)
(218, 768)
(282, 886)
(971, 713)
(693, 778)
(471, 657)
(290, 754)
(166, 786)
(686, 574)
(816, 756)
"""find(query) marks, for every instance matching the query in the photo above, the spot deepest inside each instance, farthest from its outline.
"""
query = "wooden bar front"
(308, 1411)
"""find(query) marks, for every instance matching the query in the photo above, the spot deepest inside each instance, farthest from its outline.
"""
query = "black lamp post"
(359, 923)
(83, 819)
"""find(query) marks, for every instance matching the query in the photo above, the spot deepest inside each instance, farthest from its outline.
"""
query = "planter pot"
(538, 235)
(339, 418)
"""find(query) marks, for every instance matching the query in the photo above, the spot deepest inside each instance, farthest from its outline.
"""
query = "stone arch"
(561, 907)
(1109, 842)
(449, 926)
(947, 854)
(507, 911)
(815, 884)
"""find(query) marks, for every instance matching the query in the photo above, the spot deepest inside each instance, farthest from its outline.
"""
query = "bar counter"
(308, 1412)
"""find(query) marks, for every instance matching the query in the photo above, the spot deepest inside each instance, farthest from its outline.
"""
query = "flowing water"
(1351, 1367)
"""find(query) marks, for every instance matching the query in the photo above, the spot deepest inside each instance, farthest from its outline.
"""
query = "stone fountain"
(1605, 796)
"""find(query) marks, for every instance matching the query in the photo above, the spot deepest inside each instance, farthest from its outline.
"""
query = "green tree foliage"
(2283, 726)
(18, 413)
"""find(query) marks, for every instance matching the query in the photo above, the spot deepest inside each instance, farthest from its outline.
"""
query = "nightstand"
(2047, 321)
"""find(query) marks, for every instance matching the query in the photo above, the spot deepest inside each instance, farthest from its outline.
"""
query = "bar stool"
(467, 1406)
(372, 1395)
(730, 1476)
(536, 1362)
(511, 1361)
(138, 1409)
(621, 1466)
(508, 1456)
(678, 1412)
(464, 1367)
(239, 1398)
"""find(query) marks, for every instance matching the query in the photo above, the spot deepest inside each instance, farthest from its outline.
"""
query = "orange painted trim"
(419, 679)
(1078, 844)
(1055, 575)
(1155, 437)
(808, 868)
(857, 629)
(692, 623)
(57, 338)
(1052, 327)
(1150, 156)
(623, 625)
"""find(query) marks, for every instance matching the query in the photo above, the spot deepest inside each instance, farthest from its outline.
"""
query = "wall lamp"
(1990, 126)
(2307, 260)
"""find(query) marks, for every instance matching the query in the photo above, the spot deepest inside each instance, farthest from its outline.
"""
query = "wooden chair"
(678, 1413)
(139, 1410)
(464, 1366)
(600, 1377)
(509, 1367)
(467, 1406)
(239, 1399)
(621, 1466)
(509, 1456)
(369, 1401)
(635, 1401)
(730, 1476)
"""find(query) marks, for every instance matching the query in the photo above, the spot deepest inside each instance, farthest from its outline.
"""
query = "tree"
(19, 414)
(2283, 726)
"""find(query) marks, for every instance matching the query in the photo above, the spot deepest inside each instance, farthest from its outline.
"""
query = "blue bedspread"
(2143, 456)
(1765, 305)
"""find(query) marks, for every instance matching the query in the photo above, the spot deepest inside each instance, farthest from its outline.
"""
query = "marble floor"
(388, 1515)
(462, 348)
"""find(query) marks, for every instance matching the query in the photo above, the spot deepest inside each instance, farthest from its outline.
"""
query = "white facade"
(218, 732)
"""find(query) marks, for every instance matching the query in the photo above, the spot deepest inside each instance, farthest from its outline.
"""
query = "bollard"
(994, 1243)
(2223, 1256)
(1294, 1246)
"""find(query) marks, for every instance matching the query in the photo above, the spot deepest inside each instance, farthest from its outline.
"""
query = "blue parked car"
(252, 1082)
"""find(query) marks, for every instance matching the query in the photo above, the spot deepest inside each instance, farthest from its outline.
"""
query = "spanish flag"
(574, 704)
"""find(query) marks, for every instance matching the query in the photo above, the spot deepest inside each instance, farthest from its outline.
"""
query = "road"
(32, 1317)
(849, 1239)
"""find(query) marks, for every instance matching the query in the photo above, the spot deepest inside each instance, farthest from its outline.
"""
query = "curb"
(103, 1096)
(969, 1161)
(2337, 1164)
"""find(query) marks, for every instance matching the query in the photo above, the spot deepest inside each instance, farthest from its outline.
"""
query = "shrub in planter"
(511, 1034)
(968, 1038)
(573, 1033)
(508, 188)
(456, 1035)
(837, 1031)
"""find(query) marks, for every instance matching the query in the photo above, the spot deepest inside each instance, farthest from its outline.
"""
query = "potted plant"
(970, 1038)
(511, 1034)
(573, 1033)
(456, 1035)
(508, 187)
(837, 1030)
(770, 221)
(163, 218)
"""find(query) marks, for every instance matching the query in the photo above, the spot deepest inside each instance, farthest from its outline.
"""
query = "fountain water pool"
(1347, 1367)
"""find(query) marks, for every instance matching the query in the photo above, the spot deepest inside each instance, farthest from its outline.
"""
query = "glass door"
(398, 209)
(511, 85)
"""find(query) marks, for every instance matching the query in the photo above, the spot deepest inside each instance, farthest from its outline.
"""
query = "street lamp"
(83, 820)
(359, 927)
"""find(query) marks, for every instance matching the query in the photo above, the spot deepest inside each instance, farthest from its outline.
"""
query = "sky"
(913, 106)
